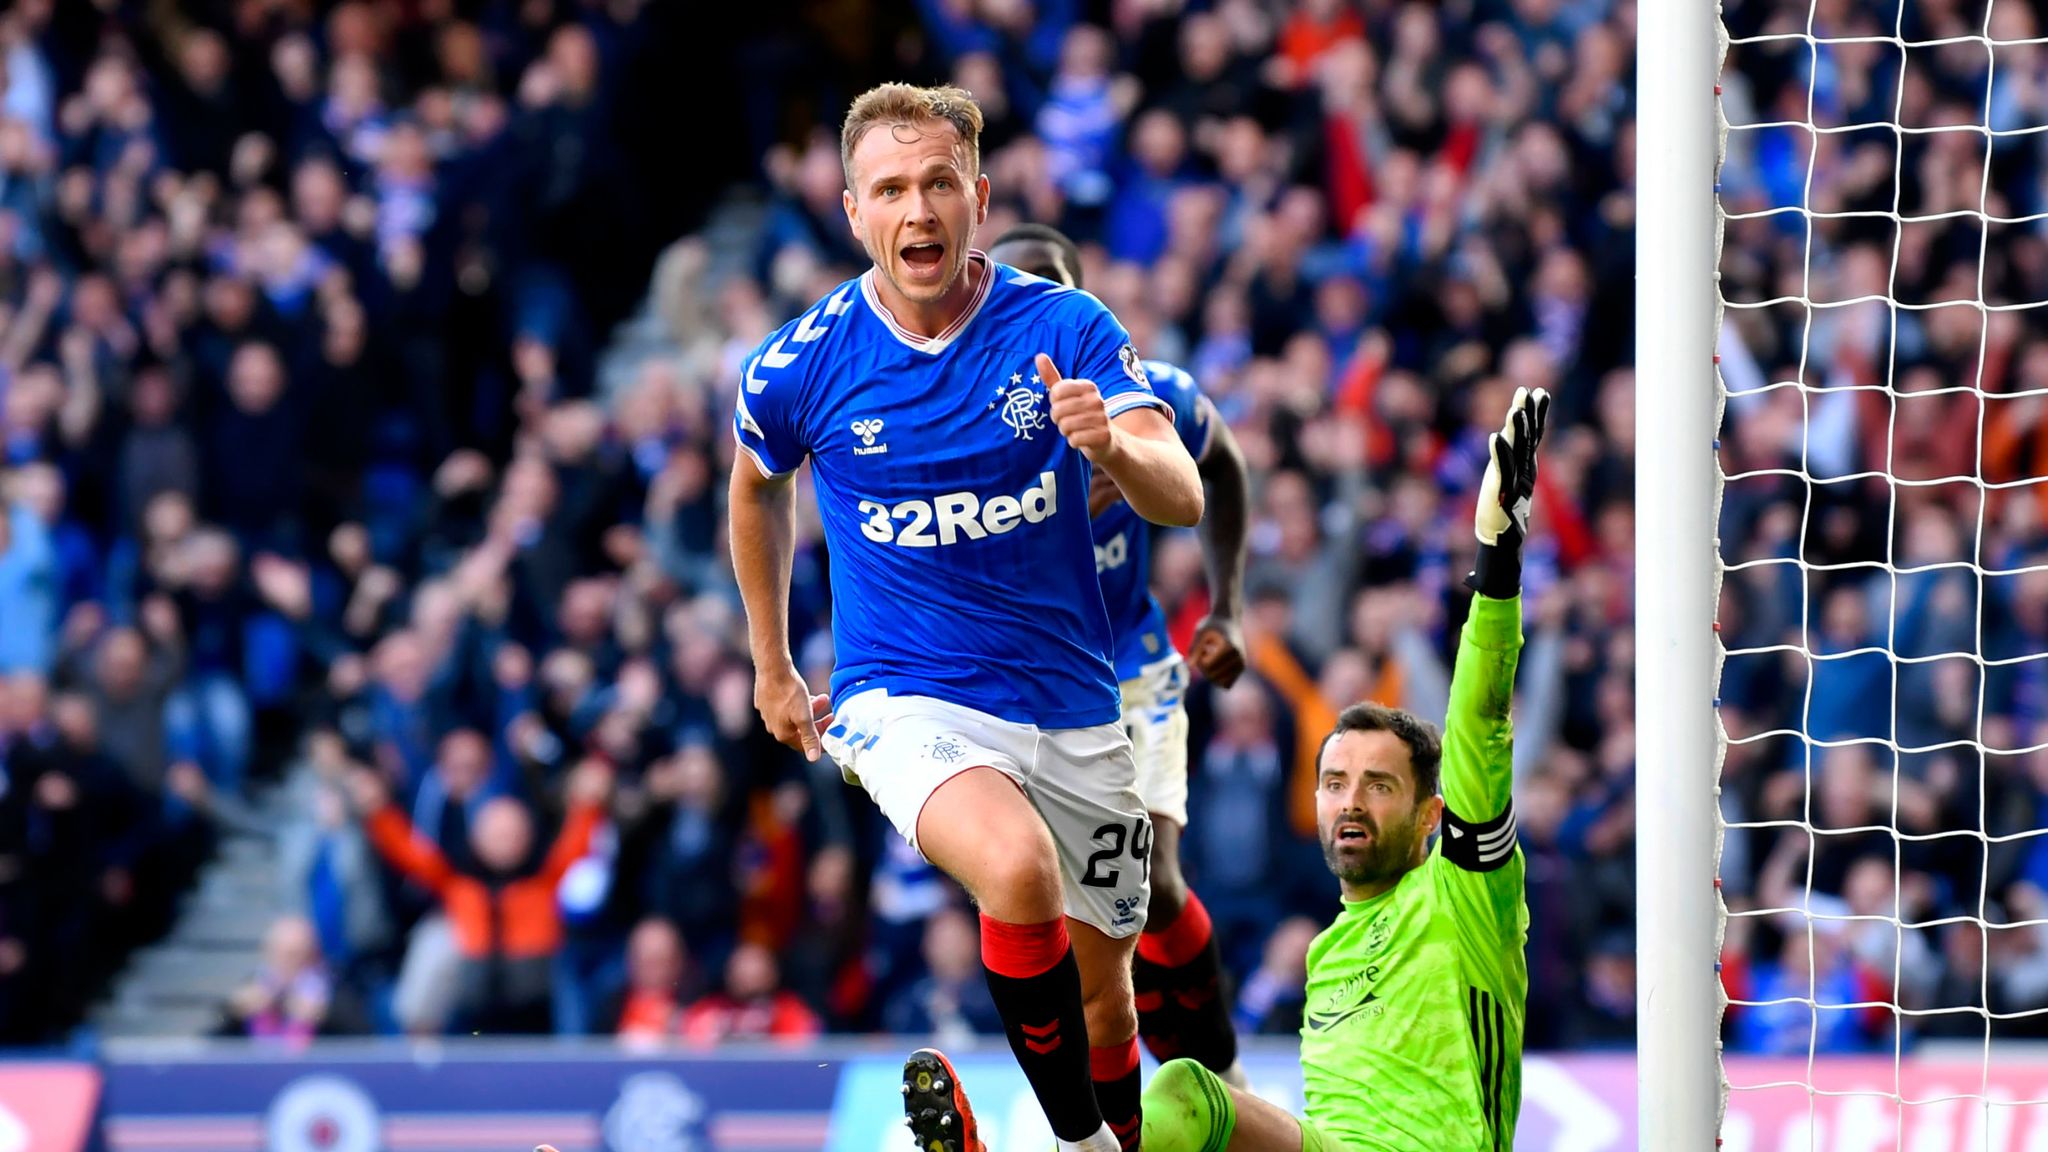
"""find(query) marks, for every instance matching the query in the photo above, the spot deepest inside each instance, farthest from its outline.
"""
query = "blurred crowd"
(1917, 603)
(299, 308)
(326, 480)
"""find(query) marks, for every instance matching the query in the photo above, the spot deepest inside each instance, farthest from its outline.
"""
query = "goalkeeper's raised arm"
(1478, 836)
(1412, 1034)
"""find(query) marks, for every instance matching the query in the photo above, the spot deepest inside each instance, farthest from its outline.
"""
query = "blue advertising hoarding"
(490, 1097)
(430, 1098)
(843, 1097)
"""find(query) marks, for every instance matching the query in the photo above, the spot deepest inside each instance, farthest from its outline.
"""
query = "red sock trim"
(1021, 951)
(1182, 940)
(1113, 1062)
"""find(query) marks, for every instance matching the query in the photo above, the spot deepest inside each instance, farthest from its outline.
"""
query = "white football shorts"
(1156, 717)
(1081, 780)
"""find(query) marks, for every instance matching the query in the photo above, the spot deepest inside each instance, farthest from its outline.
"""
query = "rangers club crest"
(323, 1113)
(1022, 406)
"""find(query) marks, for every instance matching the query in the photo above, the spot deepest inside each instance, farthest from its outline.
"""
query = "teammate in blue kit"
(954, 412)
(1178, 975)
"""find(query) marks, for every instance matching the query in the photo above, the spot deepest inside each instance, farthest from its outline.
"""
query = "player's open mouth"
(924, 257)
(1352, 833)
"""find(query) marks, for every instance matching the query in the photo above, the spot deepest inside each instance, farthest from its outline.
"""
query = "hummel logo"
(1044, 1039)
(867, 430)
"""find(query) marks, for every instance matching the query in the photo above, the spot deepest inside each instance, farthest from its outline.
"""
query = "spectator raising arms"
(506, 923)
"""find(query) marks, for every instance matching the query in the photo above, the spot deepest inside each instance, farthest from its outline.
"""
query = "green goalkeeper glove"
(1502, 519)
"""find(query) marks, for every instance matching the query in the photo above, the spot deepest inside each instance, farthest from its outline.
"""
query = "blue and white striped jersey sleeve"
(765, 419)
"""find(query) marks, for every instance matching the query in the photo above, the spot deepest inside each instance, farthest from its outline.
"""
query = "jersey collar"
(1373, 903)
(933, 345)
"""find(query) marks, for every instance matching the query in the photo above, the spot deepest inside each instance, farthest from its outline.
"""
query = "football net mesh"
(1883, 611)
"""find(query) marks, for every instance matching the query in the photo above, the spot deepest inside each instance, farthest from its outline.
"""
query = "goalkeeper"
(1412, 1037)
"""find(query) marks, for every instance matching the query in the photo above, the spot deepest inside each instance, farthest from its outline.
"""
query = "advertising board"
(845, 1098)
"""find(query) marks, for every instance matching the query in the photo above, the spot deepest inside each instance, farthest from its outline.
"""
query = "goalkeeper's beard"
(1389, 853)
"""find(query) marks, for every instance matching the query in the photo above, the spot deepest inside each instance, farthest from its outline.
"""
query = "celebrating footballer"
(954, 414)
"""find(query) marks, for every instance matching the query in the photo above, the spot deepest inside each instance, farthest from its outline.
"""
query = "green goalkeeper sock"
(1187, 1109)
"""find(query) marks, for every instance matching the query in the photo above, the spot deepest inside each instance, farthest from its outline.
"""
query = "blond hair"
(909, 104)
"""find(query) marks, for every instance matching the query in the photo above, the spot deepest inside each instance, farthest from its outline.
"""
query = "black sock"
(1179, 977)
(1205, 1032)
(1117, 1091)
(1159, 1023)
(1042, 1016)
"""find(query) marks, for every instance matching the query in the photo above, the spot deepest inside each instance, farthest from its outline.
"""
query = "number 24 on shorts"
(1101, 872)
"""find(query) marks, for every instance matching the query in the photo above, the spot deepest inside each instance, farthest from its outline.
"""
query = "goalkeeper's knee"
(1187, 1109)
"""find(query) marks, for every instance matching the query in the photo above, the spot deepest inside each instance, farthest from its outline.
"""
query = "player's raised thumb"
(1048, 373)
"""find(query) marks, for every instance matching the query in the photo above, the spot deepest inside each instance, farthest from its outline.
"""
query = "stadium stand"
(340, 442)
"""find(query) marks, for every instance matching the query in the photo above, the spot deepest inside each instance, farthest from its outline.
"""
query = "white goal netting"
(1883, 352)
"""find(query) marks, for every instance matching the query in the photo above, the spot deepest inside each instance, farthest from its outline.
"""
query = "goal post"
(1842, 607)
(1678, 914)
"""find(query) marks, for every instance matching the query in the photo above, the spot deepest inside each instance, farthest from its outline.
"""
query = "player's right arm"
(761, 508)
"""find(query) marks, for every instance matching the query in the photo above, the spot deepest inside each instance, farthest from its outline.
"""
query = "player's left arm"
(1136, 446)
(1478, 765)
(1217, 651)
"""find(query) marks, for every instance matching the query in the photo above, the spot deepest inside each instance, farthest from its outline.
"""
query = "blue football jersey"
(963, 567)
(1123, 539)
